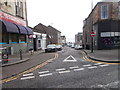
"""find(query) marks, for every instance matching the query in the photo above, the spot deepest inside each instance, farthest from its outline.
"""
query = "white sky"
(65, 15)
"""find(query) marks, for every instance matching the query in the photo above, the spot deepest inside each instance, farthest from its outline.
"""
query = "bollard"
(20, 54)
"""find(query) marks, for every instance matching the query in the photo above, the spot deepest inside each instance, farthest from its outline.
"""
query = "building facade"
(104, 20)
(78, 38)
(39, 41)
(16, 35)
(53, 35)
(63, 40)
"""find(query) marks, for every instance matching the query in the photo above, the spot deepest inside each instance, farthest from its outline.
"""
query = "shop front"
(14, 37)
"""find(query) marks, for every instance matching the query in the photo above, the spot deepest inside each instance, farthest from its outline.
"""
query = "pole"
(20, 54)
(92, 45)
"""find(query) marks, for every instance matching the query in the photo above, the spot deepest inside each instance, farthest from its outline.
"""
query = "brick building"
(104, 20)
(14, 29)
(53, 35)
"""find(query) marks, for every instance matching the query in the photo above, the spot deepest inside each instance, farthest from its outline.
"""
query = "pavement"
(110, 56)
(16, 66)
(15, 59)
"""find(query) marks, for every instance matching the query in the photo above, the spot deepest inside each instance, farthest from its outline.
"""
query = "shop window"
(4, 38)
(14, 38)
(23, 38)
(104, 12)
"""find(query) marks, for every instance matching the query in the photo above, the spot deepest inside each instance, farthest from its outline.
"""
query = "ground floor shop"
(15, 37)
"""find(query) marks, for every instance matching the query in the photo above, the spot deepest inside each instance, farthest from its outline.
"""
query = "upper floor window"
(19, 8)
(104, 12)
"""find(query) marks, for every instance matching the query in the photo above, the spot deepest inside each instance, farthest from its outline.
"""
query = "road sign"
(92, 34)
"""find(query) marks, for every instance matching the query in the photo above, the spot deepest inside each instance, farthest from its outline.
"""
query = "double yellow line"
(90, 60)
(29, 70)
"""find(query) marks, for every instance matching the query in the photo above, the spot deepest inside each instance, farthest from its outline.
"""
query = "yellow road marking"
(27, 71)
(85, 58)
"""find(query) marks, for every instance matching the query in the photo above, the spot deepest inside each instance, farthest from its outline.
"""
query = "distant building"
(78, 38)
(15, 32)
(63, 40)
(104, 20)
(53, 35)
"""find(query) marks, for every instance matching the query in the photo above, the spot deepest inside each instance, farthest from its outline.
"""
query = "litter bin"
(4, 54)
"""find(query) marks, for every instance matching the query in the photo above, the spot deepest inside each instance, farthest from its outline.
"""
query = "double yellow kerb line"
(29, 70)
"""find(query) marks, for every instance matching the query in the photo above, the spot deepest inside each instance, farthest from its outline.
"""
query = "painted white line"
(29, 74)
(92, 67)
(65, 71)
(60, 69)
(97, 63)
(30, 77)
(104, 65)
(43, 72)
(87, 65)
(79, 69)
(72, 60)
(74, 67)
(45, 75)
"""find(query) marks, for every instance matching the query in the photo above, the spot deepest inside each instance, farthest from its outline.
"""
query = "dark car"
(59, 47)
(51, 48)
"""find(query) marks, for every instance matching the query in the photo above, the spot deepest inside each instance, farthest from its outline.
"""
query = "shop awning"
(30, 31)
(21, 29)
(9, 27)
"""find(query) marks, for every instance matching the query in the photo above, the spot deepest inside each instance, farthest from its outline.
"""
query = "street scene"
(59, 47)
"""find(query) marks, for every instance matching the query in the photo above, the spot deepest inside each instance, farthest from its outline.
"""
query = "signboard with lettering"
(13, 19)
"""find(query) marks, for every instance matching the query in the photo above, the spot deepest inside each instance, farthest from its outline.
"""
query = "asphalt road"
(69, 70)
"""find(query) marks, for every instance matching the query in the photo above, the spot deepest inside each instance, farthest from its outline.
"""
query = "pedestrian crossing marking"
(70, 59)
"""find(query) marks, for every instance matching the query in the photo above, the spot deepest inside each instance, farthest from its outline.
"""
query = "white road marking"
(29, 74)
(64, 71)
(104, 65)
(74, 67)
(87, 65)
(43, 72)
(67, 59)
(97, 63)
(79, 69)
(43, 75)
(92, 67)
(60, 69)
(30, 77)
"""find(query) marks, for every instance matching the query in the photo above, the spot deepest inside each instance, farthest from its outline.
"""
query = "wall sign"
(13, 19)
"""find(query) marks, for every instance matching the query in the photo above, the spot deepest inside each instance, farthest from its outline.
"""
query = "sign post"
(92, 35)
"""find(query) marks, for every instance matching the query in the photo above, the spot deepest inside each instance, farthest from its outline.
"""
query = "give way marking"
(70, 59)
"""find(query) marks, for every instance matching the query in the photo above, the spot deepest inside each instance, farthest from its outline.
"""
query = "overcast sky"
(65, 15)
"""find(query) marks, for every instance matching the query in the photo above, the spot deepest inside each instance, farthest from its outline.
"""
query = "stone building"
(104, 20)
(16, 35)
(53, 35)
(63, 40)
(78, 38)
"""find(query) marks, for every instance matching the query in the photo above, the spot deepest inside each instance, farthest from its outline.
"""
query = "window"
(4, 38)
(104, 12)
(19, 8)
(23, 38)
(14, 38)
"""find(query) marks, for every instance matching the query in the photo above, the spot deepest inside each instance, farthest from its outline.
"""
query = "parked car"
(59, 47)
(77, 47)
(51, 48)
(72, 46)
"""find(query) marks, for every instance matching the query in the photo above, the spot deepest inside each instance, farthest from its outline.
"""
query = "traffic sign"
(92, 34)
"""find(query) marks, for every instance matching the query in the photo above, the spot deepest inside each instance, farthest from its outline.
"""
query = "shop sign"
(13, 19)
